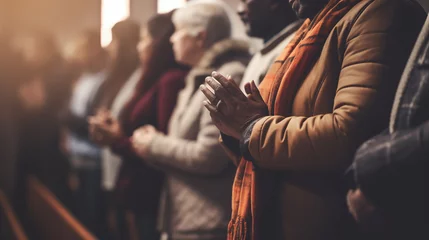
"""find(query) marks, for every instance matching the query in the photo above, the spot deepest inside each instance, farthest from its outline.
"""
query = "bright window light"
(112, 11)
(168, 5)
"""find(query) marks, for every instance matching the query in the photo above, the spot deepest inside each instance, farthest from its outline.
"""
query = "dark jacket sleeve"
(77, 125)
(231, 143)
(393, 165)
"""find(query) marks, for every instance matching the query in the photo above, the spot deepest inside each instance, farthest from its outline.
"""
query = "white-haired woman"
(197, 199)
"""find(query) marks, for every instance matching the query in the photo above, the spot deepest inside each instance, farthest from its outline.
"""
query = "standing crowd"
(186, 128)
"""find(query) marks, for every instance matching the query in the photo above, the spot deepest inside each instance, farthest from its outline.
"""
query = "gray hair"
(203, 16)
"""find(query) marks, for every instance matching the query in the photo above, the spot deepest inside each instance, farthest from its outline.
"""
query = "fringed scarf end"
(237, 230)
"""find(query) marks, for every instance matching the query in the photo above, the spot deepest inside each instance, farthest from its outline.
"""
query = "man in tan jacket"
(325, 94)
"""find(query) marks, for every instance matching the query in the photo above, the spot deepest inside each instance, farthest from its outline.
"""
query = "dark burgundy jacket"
(138, 186)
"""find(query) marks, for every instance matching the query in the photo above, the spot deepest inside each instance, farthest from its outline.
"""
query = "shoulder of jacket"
(378, 16)
(379, 9)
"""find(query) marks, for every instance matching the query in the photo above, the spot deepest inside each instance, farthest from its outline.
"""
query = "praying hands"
(230, 109)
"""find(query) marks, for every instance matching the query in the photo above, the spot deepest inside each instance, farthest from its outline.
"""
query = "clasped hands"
(106, 130)
(230, 109)
(359, 206)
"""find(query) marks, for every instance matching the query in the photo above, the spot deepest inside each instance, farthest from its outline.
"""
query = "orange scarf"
(278, 90)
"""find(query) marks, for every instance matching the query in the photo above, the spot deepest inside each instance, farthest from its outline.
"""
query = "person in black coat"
(387, 175)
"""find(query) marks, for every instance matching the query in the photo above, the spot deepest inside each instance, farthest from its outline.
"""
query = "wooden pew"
(51, 219)
(10, 226)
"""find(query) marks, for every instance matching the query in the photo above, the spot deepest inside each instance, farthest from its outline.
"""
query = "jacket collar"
(217, 55)
(406, 78)
(279, 37)
(220, 50)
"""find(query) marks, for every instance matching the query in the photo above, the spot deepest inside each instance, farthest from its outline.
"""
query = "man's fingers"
(210, 107)
(247, 88)
(209, 94)
(229, 84)
(232, 82)
(351, 195)
(217, 116)
(255, 92)
(220, 78)
(219, 91)
(251, 93)
(213, 110)
(351, 202)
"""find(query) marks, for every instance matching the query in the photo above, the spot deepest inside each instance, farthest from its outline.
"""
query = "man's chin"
(299, 10)
(304, 13)
(307, 11)
(301, 14)
(255, 32)
(248, 29)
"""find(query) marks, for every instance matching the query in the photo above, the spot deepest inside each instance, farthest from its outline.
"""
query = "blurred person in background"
(123, 74)
(136, 185)
(88, 57)
(42, 95)
(12, 72)
(196, 202)
(389, 194)
(123, 65)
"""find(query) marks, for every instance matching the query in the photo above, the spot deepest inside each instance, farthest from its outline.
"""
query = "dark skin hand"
(359, 206)
(231, 110)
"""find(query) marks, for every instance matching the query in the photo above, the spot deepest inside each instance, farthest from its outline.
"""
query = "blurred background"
(66, 19)
(61, 21)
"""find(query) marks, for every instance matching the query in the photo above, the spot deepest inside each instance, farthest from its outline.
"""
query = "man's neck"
(278, 25)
